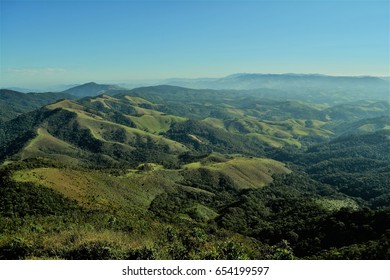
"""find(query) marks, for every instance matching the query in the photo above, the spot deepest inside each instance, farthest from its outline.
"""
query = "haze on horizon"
(64, 42)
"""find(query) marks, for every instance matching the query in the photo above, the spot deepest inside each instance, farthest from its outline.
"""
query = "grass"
(155, 123)
(144, 111)
(65, 104)
(46, 145)
(96, 235)
(245, 172)
(238, 113)
(275, 133)
(132, 193)
(297, 128)
(196, 138)
(217, 123)
(337, 204)
(275, 141)
(137, 100)
(192, 165)
(101, 101)
(201, 212)
(96, 190)
(368, 128)
(99, 127)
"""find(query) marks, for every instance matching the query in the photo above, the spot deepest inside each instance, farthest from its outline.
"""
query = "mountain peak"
(91, 89)
(90, 84)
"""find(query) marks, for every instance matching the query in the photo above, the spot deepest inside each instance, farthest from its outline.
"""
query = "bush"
(95, 250)
(16, 249)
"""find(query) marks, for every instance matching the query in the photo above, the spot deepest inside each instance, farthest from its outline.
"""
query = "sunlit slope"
(96, 190)
(276, 133)
(362, 126)
(155, 123)
(243, 172)
(139, 187)
(70, 132)
(48, 146)
(135, 111)
(242, 117)
(359, 110)
(115, 133)
(277, 122)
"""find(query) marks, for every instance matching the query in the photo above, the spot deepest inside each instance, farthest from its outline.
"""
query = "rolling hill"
(164, 121)
(69, 129)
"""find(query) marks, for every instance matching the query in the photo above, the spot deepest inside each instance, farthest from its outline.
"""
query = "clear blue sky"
(49, 42)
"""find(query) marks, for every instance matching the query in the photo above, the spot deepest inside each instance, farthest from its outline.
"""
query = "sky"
(69, 42)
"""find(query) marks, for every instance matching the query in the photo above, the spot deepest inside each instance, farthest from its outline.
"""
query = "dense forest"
(168, 172)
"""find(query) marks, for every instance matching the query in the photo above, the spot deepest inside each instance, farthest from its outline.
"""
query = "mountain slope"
(71, 130)
(362, 126)
(112, 129)
(14, 103)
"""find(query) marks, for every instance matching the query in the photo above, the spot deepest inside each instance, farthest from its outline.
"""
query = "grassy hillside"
(69, 131)
(278, 123)
(94, 190)
(361, 126)
(244, 172)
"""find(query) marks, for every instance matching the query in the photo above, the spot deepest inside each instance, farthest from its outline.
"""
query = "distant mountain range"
(312, 88)
(376, 87)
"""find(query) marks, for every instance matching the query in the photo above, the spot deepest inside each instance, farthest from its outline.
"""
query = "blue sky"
(65, 42)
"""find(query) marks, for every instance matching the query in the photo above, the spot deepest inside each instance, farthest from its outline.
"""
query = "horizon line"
(101, 81)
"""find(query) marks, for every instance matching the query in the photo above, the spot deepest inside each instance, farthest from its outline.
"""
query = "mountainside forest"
(263, 169)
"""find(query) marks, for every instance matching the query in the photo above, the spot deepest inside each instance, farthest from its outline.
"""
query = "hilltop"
(91, 89)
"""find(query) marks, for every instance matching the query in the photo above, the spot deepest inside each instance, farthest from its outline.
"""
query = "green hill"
(361, 126)
(14, 103)
(69, 130)
(243, 172)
